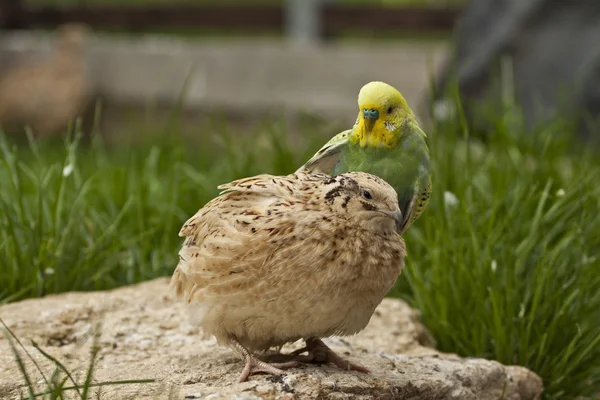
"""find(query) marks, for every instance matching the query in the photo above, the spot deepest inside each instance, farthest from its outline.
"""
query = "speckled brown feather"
(274, 259)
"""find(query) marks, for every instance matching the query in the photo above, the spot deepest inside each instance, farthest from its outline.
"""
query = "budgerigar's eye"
(390, 109)
(367, 195)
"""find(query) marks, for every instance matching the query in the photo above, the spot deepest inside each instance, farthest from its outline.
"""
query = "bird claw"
(254, 365)
(319, 352)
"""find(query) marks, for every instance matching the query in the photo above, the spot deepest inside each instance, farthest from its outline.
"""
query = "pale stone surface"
(145, 334)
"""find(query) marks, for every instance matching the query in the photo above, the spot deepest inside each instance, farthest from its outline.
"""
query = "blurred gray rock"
(554, 47)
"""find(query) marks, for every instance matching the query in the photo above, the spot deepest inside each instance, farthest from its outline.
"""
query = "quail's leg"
(321, 353)
(254, 365)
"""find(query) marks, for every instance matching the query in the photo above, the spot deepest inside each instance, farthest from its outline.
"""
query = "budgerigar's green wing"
(418, 203)
(328, 156)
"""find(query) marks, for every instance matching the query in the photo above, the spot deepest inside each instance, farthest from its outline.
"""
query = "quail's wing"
(328, 156)
(269, 186)
(256, 193)
(226, 240)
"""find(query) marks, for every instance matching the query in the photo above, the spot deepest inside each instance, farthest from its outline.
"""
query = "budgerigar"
(275, 259)
(386, 141)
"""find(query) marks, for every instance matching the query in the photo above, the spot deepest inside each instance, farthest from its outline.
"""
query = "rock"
(144, 333)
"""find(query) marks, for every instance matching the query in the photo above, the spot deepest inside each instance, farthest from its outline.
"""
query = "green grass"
(509, 271)
(87, 217)
(62, 382)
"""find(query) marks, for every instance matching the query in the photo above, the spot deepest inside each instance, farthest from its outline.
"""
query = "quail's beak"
(370, 116)
(398, 218)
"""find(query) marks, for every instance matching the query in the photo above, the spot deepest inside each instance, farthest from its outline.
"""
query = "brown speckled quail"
(275, 259)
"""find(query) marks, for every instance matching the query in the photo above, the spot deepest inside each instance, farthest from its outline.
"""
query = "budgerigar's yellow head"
(382, 112)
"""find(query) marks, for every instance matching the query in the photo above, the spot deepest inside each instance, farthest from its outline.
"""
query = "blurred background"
(247, 58)
(241, 59)
(121, 117)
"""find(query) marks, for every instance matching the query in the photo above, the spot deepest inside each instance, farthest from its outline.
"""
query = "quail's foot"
(254, 365)
(321, 353)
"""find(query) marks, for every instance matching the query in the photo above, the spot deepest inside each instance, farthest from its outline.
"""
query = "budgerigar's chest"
(398, 166)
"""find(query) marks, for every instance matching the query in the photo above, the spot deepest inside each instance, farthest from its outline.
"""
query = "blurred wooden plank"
(242, 17)
(12, 14)
(365, 18)
(337, 18)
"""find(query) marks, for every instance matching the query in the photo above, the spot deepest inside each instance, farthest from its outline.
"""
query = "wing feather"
(262, 185)
(417, 204)
(328, 156)
(225, 239)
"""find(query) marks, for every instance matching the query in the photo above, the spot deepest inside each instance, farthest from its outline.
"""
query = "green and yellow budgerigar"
(386, 141)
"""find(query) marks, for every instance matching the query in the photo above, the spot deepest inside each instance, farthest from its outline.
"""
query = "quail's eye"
(367, 195)
(390, 109)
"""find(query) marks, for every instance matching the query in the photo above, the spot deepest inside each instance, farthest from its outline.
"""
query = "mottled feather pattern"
(422, 200)
(274, 259)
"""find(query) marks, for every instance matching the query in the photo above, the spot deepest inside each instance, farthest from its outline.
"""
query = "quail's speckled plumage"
(47, 94)
(274, 259)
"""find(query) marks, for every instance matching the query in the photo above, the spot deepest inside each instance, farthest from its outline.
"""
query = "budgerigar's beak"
(370, 116)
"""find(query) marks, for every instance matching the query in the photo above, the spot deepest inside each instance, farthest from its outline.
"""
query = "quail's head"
(367, 200)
